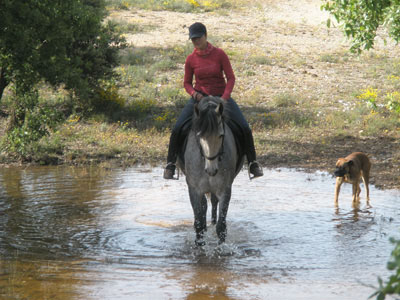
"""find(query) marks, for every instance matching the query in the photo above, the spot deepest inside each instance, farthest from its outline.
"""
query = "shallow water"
(104, 233)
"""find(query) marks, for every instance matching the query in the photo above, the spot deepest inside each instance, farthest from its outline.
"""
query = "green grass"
(148, 97)
(132, 28)
(173, 5)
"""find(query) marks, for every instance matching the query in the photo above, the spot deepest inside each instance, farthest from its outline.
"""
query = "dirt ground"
(304, 58)
(295, 35)
(385, 173)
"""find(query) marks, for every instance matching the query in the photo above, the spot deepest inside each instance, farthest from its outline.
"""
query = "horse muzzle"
(211, 167)
(211, 172)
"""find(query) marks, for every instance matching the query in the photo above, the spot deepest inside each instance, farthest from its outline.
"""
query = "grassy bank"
(308, 100)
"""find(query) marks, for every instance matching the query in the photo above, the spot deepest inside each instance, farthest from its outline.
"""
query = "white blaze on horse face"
(211, 147)
(218, 109)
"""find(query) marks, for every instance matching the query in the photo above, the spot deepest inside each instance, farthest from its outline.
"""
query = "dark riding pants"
(236, 121)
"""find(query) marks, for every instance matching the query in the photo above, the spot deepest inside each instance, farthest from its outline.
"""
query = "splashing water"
(90, 233)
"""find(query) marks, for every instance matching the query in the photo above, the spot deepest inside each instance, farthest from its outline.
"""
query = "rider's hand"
(197, 96)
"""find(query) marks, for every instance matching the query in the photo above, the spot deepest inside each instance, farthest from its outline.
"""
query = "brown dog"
(350, 169)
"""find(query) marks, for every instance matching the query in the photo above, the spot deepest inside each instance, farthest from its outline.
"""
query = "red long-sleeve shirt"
(208, 68)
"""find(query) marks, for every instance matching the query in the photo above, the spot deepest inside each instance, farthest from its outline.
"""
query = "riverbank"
(308, 100)
(114, 145)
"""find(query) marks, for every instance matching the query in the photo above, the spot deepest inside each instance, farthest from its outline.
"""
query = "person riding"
(208, 64)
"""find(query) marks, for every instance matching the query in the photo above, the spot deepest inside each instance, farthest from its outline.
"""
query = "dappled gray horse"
(210, 163)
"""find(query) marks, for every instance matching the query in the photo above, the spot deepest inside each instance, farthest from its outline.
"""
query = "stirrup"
(249, 167)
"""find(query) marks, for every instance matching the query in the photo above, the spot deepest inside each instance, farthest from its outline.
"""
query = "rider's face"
(200, 43)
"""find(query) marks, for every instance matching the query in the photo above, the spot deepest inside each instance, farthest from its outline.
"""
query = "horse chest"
(209, 184)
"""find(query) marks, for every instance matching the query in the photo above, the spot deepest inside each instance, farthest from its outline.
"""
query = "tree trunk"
(3, 82)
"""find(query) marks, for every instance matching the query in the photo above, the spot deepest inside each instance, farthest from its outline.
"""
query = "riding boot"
(169, 170)
(244, 136)
(254, 167)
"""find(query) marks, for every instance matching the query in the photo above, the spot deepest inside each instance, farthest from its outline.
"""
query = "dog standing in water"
(350, 169)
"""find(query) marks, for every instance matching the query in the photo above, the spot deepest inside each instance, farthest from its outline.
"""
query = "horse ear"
(219, 109)
(196, 109)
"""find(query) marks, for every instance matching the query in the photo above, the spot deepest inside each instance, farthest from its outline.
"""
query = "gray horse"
(210, 163)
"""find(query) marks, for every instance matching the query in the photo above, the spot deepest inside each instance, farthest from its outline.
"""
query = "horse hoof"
(200, 243)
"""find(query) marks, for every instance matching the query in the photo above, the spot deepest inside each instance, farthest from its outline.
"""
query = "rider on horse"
(208, 64)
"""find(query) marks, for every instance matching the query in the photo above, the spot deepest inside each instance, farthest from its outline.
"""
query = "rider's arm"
(188, 78)
(230, 76)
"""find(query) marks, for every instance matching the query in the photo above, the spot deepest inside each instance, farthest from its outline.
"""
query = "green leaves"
(61, 42)
(31, 123)
(64, 43)
(360, 19)
(392, 286)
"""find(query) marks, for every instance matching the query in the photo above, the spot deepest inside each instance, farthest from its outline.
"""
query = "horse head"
(209, 128)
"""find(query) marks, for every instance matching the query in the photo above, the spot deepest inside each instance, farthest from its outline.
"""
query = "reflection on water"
(104, 233)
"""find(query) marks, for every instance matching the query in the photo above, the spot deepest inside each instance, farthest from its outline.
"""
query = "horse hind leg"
(199, 205)
(214, 204)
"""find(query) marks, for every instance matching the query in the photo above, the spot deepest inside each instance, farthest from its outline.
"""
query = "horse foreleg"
(199, 205)
(214, 203)
(223, 211)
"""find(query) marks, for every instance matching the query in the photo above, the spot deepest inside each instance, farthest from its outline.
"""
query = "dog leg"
(339, 181)
(358, 191)
(366, 183)
(355, 191)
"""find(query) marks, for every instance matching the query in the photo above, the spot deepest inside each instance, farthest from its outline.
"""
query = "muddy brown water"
(97, 233)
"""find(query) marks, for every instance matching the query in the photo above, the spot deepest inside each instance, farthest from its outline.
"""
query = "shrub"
(29, 123)
(285, 100)
(391, 287)
(369, 96)
(108, 100)
(393, 102)
(261, 60)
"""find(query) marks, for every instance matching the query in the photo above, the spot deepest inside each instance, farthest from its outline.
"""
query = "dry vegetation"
(296, 82)
(308, 100)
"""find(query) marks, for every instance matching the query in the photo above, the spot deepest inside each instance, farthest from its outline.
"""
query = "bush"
(29, 123)
(392, 287)
(108, 100)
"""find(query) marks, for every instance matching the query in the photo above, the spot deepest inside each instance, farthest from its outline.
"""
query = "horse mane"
(205, 121)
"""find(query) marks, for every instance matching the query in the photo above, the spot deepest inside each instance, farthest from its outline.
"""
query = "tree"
(360, 19)
(63, 42)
